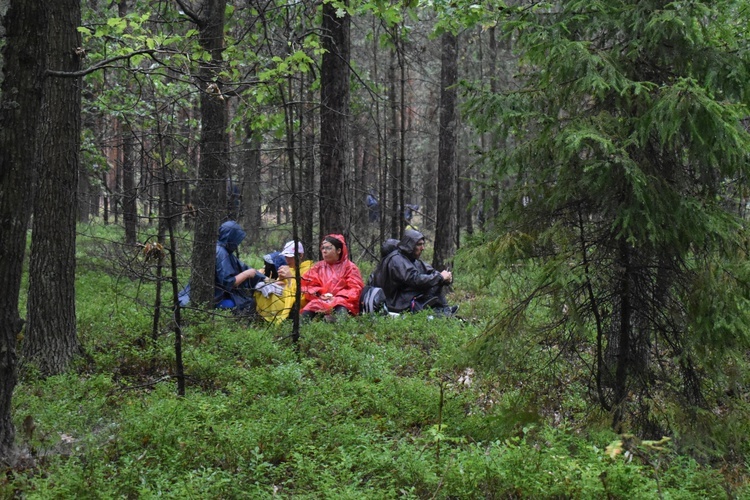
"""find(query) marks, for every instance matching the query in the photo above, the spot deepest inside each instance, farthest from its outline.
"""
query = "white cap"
(288, 250)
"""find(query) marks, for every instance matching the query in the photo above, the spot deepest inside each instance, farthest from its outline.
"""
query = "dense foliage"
(626, 168)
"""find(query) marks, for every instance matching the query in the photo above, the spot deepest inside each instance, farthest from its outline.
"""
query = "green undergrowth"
(370, 407)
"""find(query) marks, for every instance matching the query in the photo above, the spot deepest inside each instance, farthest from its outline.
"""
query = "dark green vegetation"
(627, 189)
(368, 408)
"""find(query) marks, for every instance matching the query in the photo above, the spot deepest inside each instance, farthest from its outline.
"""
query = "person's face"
(290, 261)
(330, 253)
(418, 248)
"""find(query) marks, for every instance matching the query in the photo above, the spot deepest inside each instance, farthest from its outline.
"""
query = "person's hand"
(326, 296)
(285, 272)
(447, 276)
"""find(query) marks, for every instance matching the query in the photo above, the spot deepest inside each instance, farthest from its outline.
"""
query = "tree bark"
(129, 192)
(392, 172)
(24, 57)
(445, 230)
(86, 197)
(623, 336)
(307, 188)
(334, 111)
(250, 213)
(210, 199)
(51, 341)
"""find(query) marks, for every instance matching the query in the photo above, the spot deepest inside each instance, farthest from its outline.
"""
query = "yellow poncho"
(276, 308)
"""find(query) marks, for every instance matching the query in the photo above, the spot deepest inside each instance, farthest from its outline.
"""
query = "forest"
(578, 166)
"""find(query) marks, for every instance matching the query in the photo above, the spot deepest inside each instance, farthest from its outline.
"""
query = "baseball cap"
(288, 250)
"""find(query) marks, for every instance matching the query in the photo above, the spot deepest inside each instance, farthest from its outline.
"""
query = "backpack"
(372, 300)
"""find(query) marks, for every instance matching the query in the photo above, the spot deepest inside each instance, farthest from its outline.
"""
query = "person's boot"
(446, 311)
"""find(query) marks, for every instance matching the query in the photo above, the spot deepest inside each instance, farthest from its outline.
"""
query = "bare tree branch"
(189, 12)
(103, 64)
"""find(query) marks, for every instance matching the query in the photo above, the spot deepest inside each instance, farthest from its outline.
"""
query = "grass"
(353, 411)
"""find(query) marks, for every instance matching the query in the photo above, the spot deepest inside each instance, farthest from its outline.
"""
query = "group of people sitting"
(331, 287)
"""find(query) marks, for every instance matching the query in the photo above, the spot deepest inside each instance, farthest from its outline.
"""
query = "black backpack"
(372, 300)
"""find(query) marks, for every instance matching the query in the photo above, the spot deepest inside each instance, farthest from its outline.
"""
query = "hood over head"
(409, 241)
(231, 235)
(388, 246)
(344, 250)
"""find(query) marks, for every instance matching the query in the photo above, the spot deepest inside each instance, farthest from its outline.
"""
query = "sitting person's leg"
(433, 299)
(439, 304)
(307, 315)
(226, 304)
(340, 311)
(337, 313)
(437, 291)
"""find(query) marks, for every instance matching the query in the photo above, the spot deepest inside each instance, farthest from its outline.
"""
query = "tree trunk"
(307, 188)
(465, 210)
(250, 195)
(213, 168)
(23, 56)
(491, 198)
(396, 206)
(86, 199)
(403, 175)
(116, 198)
(106, 196)
(446, 215)
(51, 341)
(129, 193)
(334, 111)
(623, 336)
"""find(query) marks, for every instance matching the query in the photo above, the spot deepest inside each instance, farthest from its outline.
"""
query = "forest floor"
(370, 407)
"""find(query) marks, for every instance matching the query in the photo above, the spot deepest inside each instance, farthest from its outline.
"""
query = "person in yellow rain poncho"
(275, 299)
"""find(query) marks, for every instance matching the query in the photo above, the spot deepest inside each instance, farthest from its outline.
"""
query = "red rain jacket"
(341, 279)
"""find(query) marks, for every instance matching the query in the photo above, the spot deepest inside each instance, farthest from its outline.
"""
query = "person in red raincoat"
(334, 284)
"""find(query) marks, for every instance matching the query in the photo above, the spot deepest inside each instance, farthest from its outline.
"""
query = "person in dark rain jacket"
(235, 281)
(378, 275)
(409, 283)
